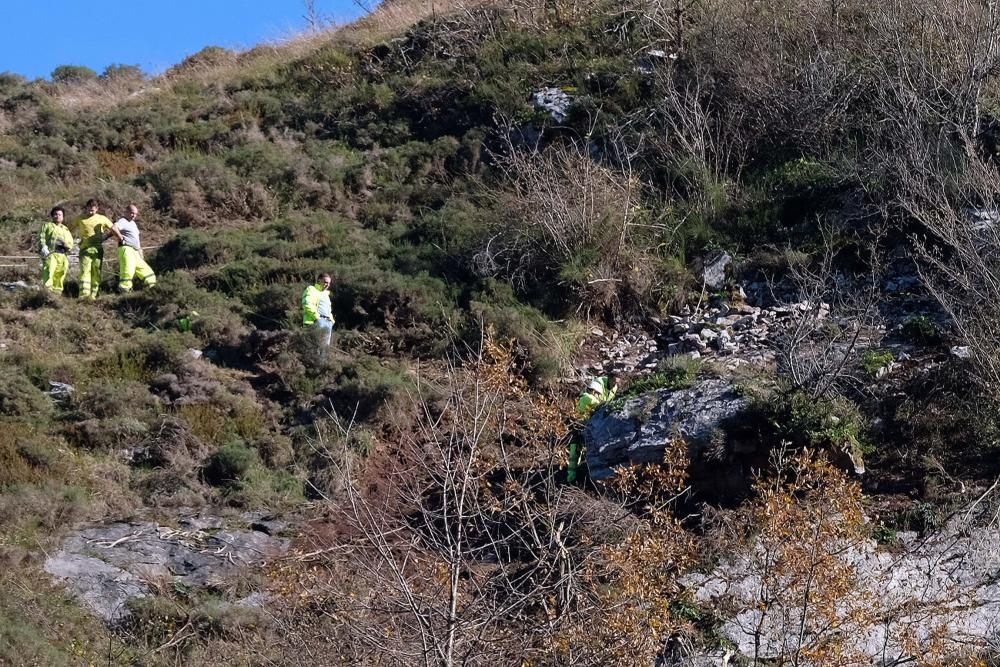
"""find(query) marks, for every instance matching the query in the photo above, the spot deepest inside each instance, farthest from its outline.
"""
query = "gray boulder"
(97, 585)
(553, 100)
(640, 429)
(714, 270)
(103, 567)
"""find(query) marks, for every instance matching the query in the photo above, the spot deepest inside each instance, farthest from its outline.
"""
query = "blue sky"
(154, 34)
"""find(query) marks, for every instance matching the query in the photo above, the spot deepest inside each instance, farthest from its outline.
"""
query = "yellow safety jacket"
(591, 400)
(55, 238)
(315, 304)
(91, 231)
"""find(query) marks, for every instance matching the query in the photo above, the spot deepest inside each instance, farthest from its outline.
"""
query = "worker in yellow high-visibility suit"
(601, 390)
(91, 229)
(131, 263)
(317, 310)
(54, 243)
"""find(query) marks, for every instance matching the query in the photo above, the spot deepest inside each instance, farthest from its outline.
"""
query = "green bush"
(673, 373)
(153, 620)
(27, 454)
(118, 72)
(496, 307)
(208, 57)
(227, 466)
(364, 387)
(73, 74)
(921, 330)
(115, 398)
(802, 174)
(20, 398)
(219, 320)
(823, 422)
(875, 360)
(108, 434)
(35, 299)
(141, 361)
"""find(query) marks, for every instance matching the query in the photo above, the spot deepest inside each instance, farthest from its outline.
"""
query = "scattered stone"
(60, 391)
(553, 100)
(256, 600)
(961, 351)
(203, 522)
(265, 522)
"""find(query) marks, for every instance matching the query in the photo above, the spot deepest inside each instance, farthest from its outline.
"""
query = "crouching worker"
(598, 392)
(55, 241)
(316, 308)
(131, 263)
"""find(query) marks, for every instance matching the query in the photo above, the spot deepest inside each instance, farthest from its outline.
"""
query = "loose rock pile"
(735, 334)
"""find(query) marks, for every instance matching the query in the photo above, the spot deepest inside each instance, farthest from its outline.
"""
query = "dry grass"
(388, 19)
(391, 18)
(99, 94)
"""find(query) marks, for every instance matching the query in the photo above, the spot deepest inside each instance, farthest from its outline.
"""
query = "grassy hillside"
(406, 155)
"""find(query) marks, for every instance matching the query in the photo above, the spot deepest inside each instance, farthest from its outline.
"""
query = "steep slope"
(763, 200)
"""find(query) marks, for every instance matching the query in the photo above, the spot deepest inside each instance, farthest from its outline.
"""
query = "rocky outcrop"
(554, 101)
(713, 271)
(639, 430)
(104, 567)
(942, 588)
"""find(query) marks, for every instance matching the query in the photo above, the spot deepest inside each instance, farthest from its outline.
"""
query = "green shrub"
(141, 361)
(802, 174)
(875, 360)
(108, 434)
(227, 466)
(26, 453)
(20, 398)
(116, 398)
(921, 330)
(275, 449)
(276, 307)
(73, 74)
(153, 620)
(364, 387)
(261, 487)
(672, 373)
(35, 299)
(823, 422)
(218, 322)
(118, 72)
(208, 57)
(496, 307)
